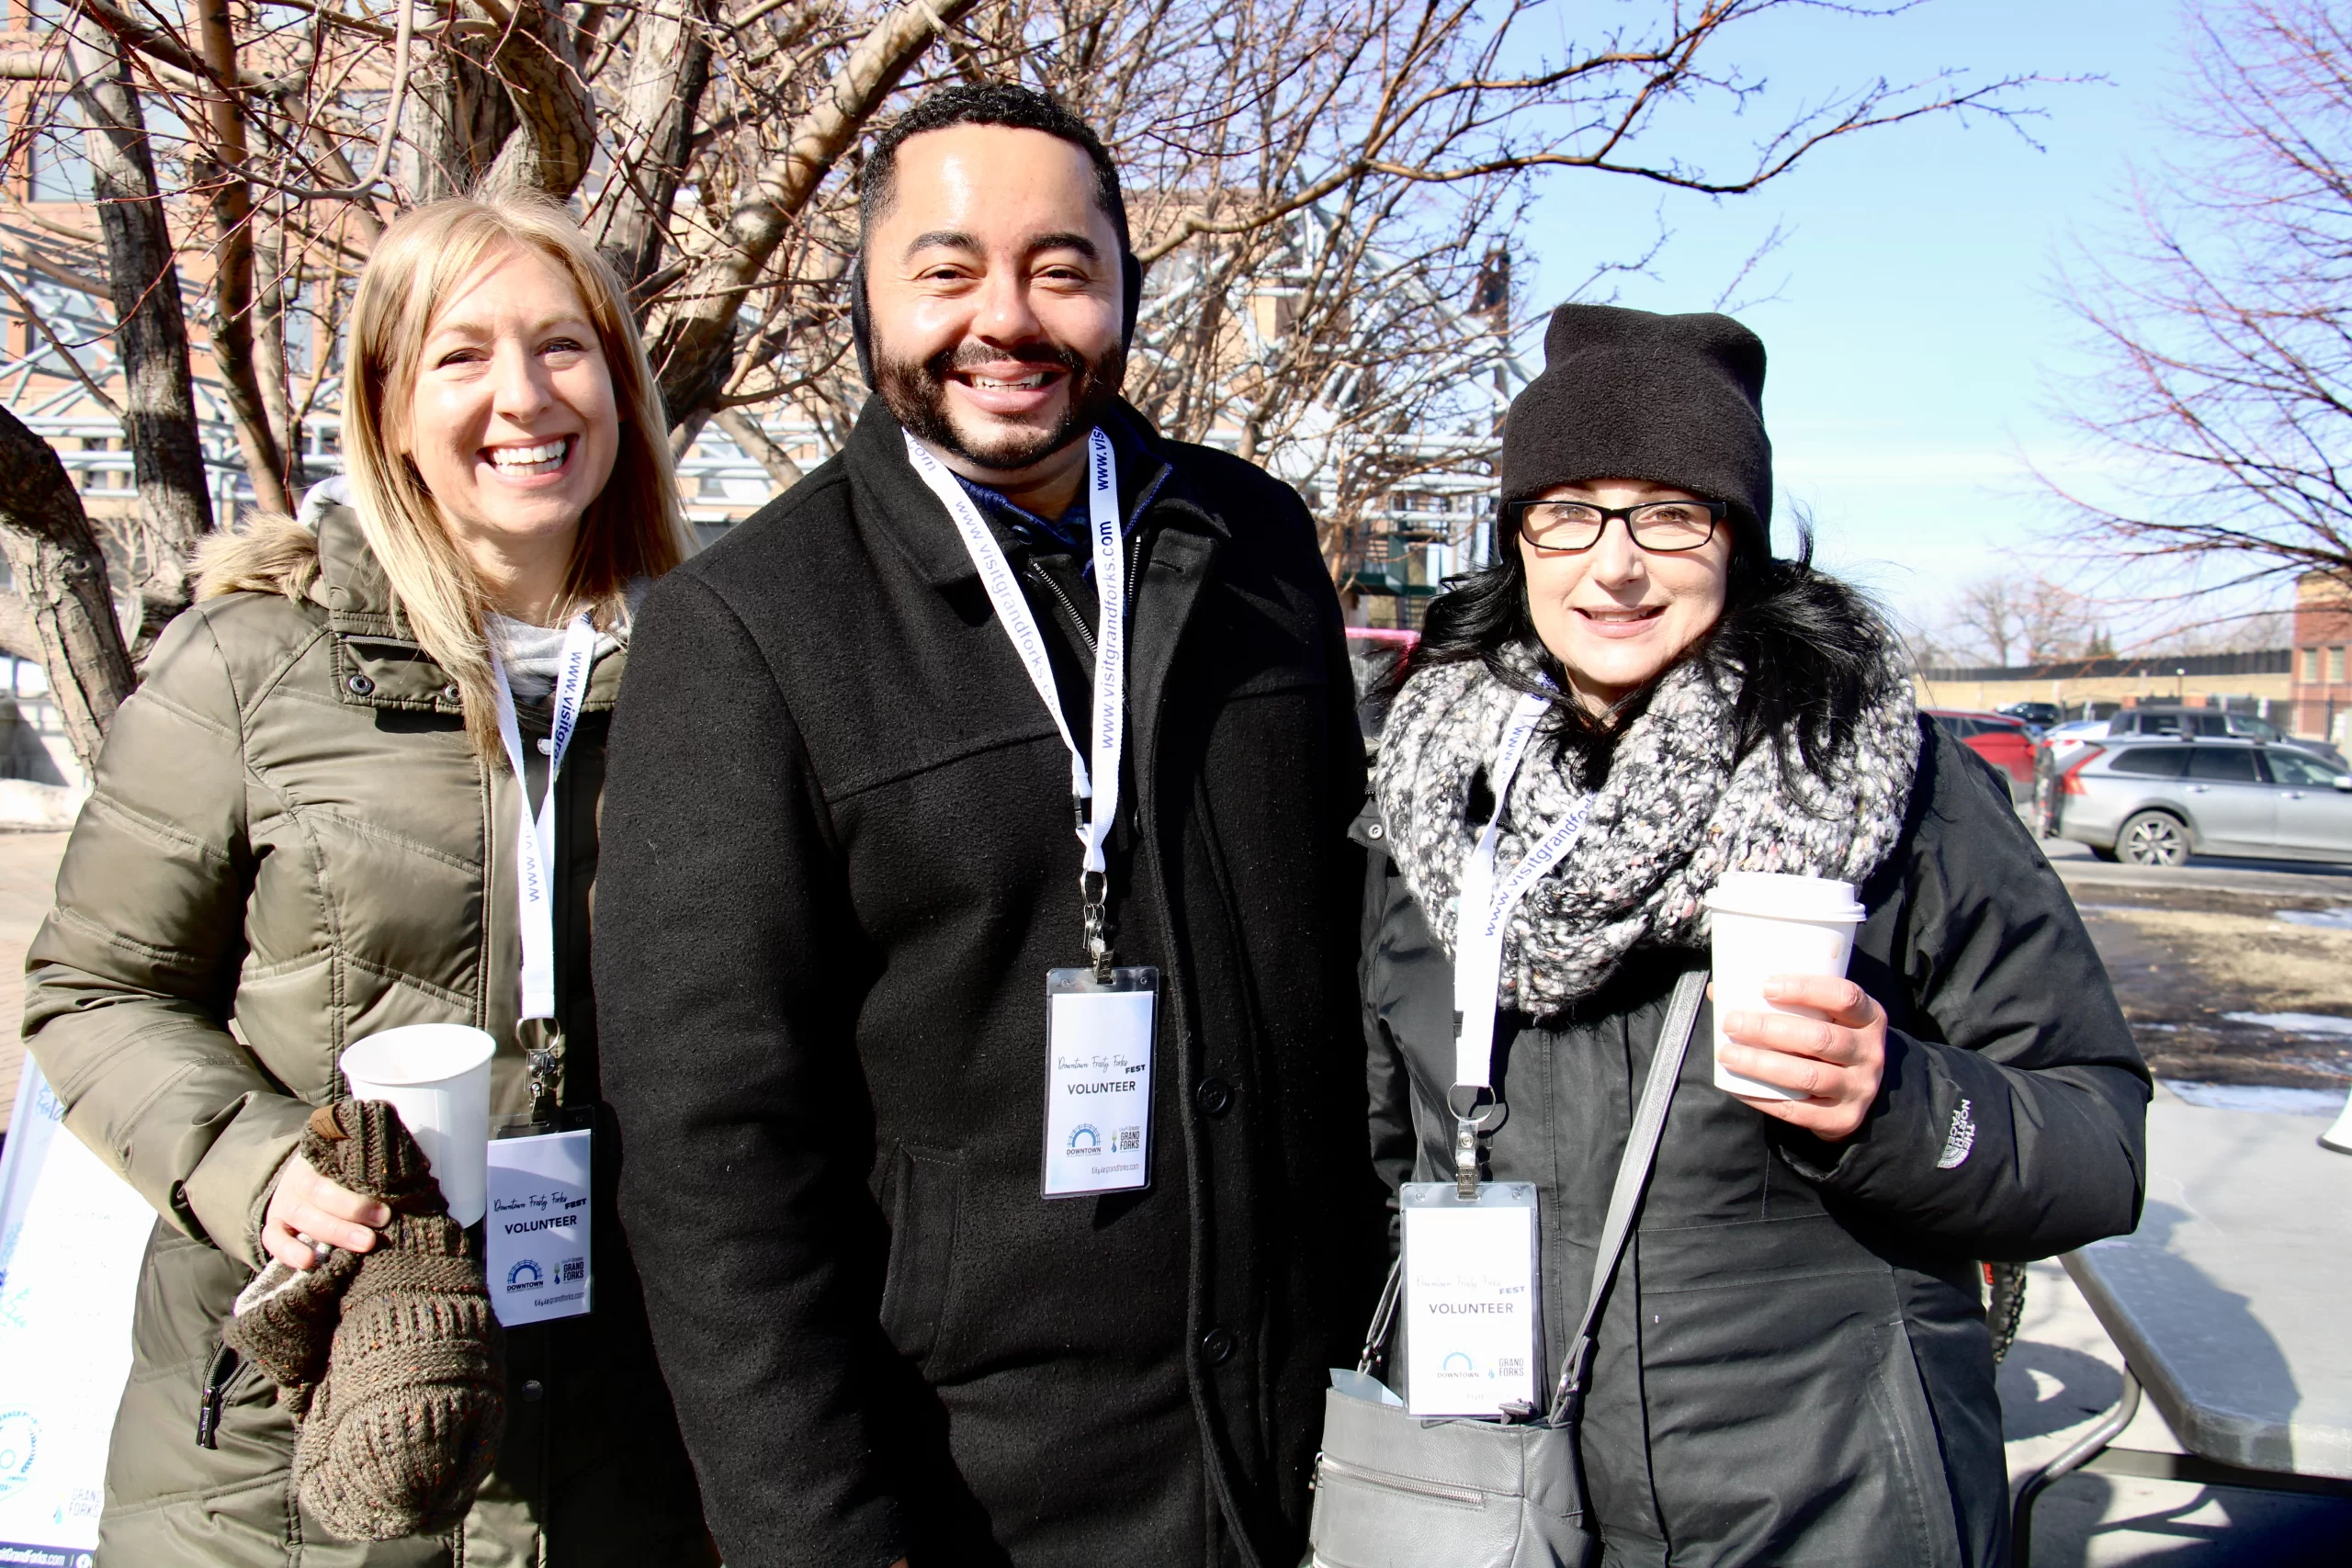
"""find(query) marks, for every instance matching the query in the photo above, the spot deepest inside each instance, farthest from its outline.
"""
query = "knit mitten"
(393, 1357)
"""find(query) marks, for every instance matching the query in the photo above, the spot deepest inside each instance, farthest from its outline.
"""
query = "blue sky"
(1914, 337)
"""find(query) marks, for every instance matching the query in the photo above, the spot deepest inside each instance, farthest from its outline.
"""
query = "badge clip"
(1482, 1114)
(1094, 891)
(542, 1043)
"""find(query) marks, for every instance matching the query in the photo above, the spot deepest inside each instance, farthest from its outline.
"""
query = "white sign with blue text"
(72, 1234)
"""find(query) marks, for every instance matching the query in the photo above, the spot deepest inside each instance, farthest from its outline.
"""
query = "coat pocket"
(925, 1203)
(1915, 1451)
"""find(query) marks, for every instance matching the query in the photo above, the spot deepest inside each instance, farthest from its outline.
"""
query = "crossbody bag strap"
(1633, 1176)
(1384, 1318)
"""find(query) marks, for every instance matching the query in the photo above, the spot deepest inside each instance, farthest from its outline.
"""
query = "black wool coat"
(838, 863)
(1792, 1367)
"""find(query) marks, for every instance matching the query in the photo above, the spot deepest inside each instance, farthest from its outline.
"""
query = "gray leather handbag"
(1395, 1490)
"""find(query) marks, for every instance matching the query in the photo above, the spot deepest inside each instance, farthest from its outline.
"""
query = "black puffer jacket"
(1793, 1366)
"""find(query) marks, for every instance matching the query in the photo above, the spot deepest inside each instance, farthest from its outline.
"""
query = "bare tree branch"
(2224, 399)
(61, 573)
(745, 432)
(150, 330)
(230, 326)
(690, 345)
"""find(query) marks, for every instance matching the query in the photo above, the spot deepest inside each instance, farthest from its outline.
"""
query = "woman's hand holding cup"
(1835, 1061)
(307, 1211)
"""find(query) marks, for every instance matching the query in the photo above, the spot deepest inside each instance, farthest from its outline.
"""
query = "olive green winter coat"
(292, 845)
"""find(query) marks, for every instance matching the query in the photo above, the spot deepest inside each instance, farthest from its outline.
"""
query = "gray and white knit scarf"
(1673, 815)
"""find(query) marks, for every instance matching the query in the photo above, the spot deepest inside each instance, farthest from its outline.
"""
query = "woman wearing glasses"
(1791, 1365)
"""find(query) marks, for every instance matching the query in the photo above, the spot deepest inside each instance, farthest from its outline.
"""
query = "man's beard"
(915, 391)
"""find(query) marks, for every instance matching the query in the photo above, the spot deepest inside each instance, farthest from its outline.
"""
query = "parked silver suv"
(2155, 802)
(2215, 724)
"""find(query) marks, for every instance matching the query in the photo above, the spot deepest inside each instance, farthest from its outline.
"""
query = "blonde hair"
(636, 528)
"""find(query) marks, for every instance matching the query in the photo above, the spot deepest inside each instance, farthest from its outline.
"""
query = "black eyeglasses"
(1564, 527)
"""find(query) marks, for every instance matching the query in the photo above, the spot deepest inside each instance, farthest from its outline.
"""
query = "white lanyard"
(534, 845)
(1485, 907)
(1097, 782)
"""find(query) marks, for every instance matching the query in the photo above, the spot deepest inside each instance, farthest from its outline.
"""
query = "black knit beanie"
(1632, 395)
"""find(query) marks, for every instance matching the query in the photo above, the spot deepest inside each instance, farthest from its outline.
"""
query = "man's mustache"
(972, 356)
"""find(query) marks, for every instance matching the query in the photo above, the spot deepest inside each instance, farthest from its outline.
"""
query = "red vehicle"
(1373, 652)
(2000, 739)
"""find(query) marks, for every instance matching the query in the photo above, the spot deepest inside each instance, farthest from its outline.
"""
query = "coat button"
(1214, 1097)
(360, 686)
(1375, 831)
(1217, 1346)
(531, 1390)
(450, 693)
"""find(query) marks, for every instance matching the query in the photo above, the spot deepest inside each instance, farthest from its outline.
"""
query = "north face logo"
(1961, 1139)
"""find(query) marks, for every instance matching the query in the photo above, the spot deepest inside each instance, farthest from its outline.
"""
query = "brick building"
(2321, 688)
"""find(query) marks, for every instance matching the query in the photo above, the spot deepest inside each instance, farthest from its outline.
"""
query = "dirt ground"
(2184, 960)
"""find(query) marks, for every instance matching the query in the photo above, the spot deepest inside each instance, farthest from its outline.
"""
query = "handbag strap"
(1384, 1318)
(1633, 1177)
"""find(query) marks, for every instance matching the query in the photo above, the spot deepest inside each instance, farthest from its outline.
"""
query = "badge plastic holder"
(538, 1236)
(1099, 1036)
(1460, 1353)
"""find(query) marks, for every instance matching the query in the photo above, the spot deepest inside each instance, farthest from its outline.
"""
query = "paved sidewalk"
(27, 888)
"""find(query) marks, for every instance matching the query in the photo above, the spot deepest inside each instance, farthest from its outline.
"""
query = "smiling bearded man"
(924, 1286)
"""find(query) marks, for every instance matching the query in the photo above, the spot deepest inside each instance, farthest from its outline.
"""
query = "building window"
(2335, 665)
(2311, 666)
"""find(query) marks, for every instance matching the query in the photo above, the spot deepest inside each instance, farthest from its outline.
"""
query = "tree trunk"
(465, 114)
(669, 69)
(692, 347)
(19, 639)
(231, 326)
(61, 573)
(555, 130)
(150, 331)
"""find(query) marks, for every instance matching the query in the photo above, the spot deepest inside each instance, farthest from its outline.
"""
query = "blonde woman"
(307, 829)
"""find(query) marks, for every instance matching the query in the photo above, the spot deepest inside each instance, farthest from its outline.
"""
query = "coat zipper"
(222, 1368)
(1039, 574)
(1389, 1481)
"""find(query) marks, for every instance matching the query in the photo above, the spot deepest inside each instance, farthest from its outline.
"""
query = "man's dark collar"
(1138, 471)
(875, 455)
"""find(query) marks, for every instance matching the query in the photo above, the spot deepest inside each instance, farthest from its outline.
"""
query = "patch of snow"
(2258, 1096)
(2339, 919)
(2294, 1023)
(24, 804)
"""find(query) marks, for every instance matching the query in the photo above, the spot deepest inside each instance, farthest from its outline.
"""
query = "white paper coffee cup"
(437, 1077)
(1767, 924)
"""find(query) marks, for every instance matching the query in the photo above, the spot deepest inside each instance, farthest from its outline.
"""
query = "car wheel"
(2152, 837)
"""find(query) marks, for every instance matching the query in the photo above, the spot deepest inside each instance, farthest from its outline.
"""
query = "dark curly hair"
(1805, 654)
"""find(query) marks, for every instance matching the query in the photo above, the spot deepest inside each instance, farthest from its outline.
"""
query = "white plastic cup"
(436, 1076)
(1767, 924)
